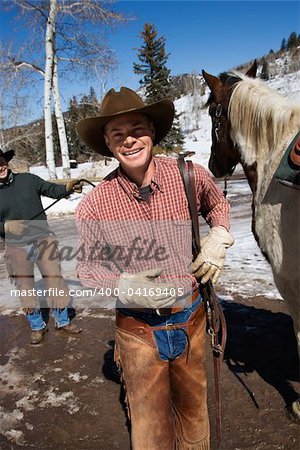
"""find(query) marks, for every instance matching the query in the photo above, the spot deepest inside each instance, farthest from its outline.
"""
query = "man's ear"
(106, 140)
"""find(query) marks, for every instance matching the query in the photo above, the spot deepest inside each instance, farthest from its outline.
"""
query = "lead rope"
(60, 198)
(216, 324)
(248, 390)
(50, 206)
(225, 188)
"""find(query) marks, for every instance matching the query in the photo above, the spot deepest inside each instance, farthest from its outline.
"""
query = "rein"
(216, 324)
(225, 187)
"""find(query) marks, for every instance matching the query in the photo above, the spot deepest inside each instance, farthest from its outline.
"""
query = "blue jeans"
(171, 344)
(37, 323)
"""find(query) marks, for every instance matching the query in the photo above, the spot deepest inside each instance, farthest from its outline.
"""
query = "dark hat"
(91, 129)
(7, 155)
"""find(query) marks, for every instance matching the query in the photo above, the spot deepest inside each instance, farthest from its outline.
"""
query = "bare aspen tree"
(70, 46)
(49, 68)
(13, 97)
(2, 141)
(60, 124)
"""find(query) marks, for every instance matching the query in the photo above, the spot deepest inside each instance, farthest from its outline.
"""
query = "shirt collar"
(126, 184)
(131, 188)
(157, 179)
(8, 179)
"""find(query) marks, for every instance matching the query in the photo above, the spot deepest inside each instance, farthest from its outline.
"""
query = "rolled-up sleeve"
(211, 201)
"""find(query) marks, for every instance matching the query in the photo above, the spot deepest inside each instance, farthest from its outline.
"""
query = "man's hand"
(15, 227)
(210, 261)
(140, 289)
(74, 186)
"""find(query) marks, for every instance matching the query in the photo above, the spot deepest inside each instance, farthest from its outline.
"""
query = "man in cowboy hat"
(137, 229)
(29, 241)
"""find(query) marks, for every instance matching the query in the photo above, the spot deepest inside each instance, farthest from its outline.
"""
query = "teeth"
(131, 153)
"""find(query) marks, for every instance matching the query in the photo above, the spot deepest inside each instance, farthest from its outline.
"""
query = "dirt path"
(65, 393)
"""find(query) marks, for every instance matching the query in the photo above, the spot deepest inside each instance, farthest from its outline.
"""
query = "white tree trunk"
(60, 124)
(50, 30)
(2, 142)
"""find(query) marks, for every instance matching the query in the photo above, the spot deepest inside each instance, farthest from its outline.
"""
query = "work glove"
(74, 186)
(15, 227)
(210, 261)
(141, 290)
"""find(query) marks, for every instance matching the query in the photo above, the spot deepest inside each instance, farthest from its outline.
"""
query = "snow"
(289, 85)
(196, 125)
(65, 400)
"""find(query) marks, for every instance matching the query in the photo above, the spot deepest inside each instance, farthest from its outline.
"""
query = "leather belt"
(141, 329)
(176, 307)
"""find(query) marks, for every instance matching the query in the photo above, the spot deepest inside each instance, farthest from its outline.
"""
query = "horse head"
(224, 153)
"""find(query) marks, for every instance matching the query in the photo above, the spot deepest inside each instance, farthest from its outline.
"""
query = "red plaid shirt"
(114, 214)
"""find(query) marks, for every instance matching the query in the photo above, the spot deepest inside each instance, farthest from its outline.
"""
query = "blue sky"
(209, 35)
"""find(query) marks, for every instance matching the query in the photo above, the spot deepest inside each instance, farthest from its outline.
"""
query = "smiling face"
(3, 168)
(130, 139)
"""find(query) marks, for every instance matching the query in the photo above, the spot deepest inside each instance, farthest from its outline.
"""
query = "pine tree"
(73, 116)
(156, 78)
(265, 75)
(283, 45)
(56, 143)
(87, 106)
(292, 41)
(153, 59)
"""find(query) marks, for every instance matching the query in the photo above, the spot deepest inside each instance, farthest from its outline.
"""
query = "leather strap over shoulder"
(187, 173)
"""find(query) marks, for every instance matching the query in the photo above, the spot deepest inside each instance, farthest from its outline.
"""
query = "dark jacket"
(20, 198)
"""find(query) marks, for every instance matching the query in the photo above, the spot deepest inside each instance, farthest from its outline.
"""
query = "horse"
(253, 125)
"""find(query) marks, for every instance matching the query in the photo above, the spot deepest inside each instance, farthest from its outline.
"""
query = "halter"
(216, 128)
(217, 121)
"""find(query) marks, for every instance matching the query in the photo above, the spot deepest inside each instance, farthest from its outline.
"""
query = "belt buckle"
(192, 297)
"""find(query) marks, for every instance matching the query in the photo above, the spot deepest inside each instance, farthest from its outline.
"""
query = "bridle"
(216, 119)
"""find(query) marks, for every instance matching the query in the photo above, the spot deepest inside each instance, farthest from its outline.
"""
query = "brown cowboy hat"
(91, 129)
(7, 155)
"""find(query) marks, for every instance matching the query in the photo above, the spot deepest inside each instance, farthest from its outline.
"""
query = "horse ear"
(252, 71)
(213, 82)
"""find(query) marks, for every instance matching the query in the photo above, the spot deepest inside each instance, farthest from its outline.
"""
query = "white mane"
(260, 117)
